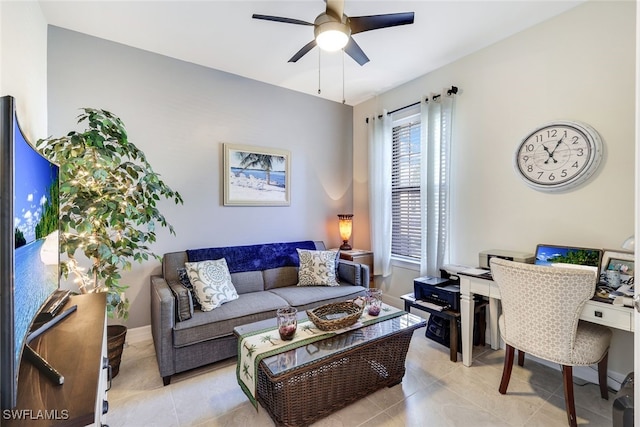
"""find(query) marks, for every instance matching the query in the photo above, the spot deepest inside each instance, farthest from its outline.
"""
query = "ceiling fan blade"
(281, 19)
(360, 24)
(353, 50)
(302, 52)
(335, 8)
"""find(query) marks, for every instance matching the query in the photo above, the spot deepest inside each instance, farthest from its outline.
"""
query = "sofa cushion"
(212, 284)
(303, 297)
(280, 277)
(248, 308)
(248, 281)
(317, 268)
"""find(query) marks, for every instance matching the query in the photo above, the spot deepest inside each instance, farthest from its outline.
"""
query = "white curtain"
(436, 115)
(380, 150)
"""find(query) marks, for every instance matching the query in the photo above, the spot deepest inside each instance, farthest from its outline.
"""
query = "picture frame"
(256, 176)
(619, 260)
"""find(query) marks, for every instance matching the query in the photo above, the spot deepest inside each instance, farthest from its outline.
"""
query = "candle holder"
(287, 323)
(374, 301)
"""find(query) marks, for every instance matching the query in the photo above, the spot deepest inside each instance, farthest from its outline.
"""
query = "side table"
(361, 257)
(452, 317)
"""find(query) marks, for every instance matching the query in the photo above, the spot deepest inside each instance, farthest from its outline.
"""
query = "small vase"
(287, 323)
(374, 301)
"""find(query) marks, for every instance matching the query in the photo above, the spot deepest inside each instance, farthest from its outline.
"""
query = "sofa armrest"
(353, 273)
(162, 323)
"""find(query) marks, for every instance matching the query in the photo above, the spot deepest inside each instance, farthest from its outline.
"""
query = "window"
(405, 186)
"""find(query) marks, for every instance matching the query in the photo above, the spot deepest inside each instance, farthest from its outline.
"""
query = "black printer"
(444, 292)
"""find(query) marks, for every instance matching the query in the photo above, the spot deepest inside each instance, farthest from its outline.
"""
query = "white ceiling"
(222, 35)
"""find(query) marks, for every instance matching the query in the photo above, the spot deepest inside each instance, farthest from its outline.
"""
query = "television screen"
(568, 256)
(29, 242)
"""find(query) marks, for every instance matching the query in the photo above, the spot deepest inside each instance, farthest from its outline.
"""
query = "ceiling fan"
(333, 29)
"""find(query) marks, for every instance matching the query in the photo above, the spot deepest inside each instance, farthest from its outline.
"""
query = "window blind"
(405, 187)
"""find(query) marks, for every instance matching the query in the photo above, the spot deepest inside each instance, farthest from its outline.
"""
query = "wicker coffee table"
(300, 386)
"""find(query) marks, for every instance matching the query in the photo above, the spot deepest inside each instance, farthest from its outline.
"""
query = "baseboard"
(587, 373)
(142, 333)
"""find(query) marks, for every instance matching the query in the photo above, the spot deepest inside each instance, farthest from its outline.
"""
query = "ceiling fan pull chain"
(343, 100)
(319, 54)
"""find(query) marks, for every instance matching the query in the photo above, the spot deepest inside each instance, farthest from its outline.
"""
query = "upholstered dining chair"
(541, 306)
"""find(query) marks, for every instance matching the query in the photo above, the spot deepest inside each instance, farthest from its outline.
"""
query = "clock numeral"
(539, 138)
(525, 158)
(564, 173)
(580, 152)
(540, 174)
(552, 177)
(530, 147)
(575, 165)
(552, 133)
(575, 139)
(530, 168)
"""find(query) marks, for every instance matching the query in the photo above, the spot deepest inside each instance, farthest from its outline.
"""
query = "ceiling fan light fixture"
(332, 36)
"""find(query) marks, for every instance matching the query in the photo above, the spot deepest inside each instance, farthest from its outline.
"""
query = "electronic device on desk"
(485, 256)
(568, 256)
(440, 292)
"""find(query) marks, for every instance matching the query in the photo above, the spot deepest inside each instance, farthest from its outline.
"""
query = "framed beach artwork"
(256, 176)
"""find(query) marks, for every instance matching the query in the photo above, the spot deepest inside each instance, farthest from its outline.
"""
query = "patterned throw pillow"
(317, 268)
(184, 280)
(211, 282)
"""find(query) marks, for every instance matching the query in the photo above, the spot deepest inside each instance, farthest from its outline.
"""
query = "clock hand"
(549, 153)
(557, 145)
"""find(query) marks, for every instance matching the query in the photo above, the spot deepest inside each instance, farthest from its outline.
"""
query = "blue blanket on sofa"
(253, 257)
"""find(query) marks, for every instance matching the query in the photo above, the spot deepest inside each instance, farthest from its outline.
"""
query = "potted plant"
(108, 207)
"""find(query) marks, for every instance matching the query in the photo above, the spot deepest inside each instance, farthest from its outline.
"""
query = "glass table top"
(287, 360)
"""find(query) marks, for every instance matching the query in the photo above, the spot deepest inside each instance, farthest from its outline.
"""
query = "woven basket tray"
(338, 315)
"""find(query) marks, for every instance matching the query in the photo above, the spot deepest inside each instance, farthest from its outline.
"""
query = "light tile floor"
(434, 392)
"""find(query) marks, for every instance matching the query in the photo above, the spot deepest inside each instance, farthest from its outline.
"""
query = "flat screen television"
(29, 243)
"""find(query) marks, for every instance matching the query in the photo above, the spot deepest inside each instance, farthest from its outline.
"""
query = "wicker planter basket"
(338, 315)
(116, 335)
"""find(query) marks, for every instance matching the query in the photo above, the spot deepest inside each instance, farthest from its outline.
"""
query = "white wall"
(23, 63)
(578, 66)
(179, 114)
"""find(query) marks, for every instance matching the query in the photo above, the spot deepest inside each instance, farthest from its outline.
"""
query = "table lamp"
(345, 223)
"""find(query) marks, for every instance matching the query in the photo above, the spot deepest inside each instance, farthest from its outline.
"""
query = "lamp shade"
(331, 35)
(345, 224)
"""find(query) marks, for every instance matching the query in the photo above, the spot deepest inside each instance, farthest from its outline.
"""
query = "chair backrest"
(541, 306)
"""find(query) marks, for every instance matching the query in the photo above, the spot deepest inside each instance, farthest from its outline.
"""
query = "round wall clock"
(559, 155)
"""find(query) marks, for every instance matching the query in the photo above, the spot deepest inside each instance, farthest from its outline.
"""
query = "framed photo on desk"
(619, 260)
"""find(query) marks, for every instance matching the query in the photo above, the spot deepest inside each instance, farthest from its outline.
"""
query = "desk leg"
(453, 339)
(493, 323)
(466, 319)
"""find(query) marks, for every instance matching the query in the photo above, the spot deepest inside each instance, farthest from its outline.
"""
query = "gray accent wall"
(179, 114)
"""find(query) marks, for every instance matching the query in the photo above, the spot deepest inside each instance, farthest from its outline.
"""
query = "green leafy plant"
(108, 204)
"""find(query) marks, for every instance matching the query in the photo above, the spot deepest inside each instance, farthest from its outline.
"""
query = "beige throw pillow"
(317, 268)
(211, 282)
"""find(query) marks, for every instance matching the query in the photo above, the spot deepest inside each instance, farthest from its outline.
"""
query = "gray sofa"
(265, 277)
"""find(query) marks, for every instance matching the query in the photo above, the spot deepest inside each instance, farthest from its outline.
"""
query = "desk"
(594, 311)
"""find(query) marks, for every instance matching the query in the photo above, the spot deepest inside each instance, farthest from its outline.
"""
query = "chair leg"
(602, 376)
(520, 358)
(569, 403)
(506, 370)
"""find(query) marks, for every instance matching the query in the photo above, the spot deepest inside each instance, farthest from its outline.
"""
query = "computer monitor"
(568, 256)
